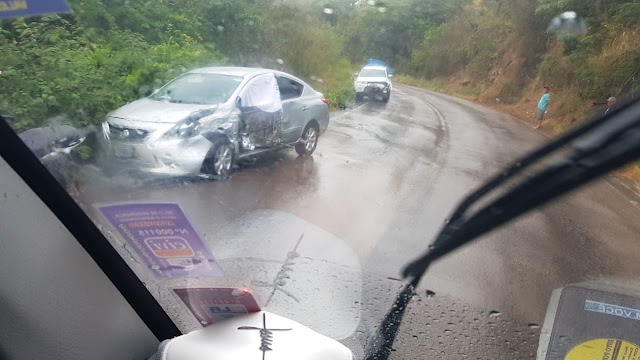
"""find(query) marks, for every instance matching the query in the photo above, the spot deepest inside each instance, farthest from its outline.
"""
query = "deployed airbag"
(262, 93)
(261, 109)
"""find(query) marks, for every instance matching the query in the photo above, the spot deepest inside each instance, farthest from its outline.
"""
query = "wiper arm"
(601, 146)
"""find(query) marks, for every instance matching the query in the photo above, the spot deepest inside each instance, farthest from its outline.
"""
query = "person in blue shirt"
(542, 105)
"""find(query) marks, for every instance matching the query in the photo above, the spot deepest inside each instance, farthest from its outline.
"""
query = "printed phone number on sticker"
(160, 232)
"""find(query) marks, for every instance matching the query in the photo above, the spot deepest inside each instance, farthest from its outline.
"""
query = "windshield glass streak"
(196, 88)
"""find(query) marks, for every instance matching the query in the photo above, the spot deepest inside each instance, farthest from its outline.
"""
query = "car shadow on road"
(281, 166)
(372, 105)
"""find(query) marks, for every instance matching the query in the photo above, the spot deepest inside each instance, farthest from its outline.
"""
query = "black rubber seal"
(45, 186)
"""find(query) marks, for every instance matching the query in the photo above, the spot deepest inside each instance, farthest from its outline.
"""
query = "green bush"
(511, 91)
(570, 44)
(555, 71)
(52, 69)
(338, 84)
(628, 14)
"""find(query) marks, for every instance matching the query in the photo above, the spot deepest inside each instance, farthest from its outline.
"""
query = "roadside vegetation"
(82, 65)
(501, 53)
(498, 52)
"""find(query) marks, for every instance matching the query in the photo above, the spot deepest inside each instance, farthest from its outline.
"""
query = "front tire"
(219, 159)
(309, 140)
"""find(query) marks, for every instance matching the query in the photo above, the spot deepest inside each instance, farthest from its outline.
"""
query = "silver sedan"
(204, 120)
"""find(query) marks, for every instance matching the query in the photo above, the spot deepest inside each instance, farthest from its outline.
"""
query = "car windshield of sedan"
(197, 88)
(372, 73)
(308, 193)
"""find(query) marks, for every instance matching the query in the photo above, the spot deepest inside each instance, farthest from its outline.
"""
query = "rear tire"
(219, 159)
(309, 140)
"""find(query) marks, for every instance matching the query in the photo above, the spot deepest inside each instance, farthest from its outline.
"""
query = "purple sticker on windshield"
(163, 238)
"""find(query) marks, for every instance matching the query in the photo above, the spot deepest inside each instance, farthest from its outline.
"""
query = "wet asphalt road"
(384, 179)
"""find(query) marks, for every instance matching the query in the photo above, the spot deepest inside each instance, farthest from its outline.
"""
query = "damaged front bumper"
(174, 157)
(373, 90)
(376, 89)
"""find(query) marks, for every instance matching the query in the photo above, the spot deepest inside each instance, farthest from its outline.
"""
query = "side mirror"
(390, 76)
(7, 118)
(355, 75)
(239, 102)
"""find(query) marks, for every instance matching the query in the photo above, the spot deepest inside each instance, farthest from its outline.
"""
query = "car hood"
(148, 110)
(372, 79)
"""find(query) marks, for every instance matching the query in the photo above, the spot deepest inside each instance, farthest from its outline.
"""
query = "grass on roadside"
(434, 85)
(470, 92)
(631, 172)
(337, 85)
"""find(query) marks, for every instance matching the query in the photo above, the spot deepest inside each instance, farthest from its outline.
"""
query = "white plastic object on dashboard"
(258, 336)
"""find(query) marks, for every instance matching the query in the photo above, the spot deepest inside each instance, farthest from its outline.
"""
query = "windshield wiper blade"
(600, 146)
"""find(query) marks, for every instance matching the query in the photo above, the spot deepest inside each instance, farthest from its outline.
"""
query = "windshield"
(203, 89)
(373, 73)
(310, 192)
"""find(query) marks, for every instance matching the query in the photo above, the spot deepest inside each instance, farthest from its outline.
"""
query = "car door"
(294, 111)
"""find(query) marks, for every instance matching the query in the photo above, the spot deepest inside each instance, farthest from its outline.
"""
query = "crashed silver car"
(206, 119)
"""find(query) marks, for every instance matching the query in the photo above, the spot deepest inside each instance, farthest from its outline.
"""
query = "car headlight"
(190, 127)
(184, 130)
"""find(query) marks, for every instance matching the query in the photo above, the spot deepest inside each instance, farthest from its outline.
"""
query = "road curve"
(589, 235)
(383, 180)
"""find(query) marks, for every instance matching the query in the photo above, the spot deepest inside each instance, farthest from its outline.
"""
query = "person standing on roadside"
(542, 105)
(611, 102)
